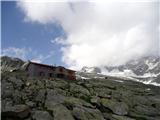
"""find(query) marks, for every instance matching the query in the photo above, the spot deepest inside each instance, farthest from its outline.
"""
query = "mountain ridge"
(146, 70)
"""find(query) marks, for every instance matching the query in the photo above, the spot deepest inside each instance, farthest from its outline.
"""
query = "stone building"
(47, 71)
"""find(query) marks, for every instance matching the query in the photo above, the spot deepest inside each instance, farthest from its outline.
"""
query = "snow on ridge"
(149, 82)
(151, 65)
(88, 69)
(128, 74)
(119, 81)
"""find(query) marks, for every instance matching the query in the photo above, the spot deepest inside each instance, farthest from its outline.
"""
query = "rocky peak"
(9, 63)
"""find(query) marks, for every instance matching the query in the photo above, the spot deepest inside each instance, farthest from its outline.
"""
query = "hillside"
(99, 97)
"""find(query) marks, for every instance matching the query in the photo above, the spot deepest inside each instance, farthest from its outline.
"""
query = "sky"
(28, 41)
(77, 34)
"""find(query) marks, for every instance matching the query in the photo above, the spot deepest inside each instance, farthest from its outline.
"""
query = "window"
(60, 76)
(61, 69)
(50, 75)
(41, 74)
(70, 72)
(53, 68)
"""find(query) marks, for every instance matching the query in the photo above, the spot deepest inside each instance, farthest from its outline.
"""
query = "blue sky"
(32, 40)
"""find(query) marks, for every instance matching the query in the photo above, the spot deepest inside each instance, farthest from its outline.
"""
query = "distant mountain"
(91, 70)
(146, 69)
(9, 63)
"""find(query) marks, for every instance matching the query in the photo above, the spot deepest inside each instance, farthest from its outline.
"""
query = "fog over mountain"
(146, 70)
(99, 33)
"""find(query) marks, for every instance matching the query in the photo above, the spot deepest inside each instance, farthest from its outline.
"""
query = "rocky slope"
(95, 99)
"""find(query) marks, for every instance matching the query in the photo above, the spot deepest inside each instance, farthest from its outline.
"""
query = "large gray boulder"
(17, 111)
(60, 112)
(72, 101)
(41, 96)
(83, 113)
(7, 90)
(62, 84)
(146, 110)
(119, 108)
(79, 91)
(41, 115)
(53, 99)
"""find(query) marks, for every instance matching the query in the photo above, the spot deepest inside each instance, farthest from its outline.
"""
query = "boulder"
(95, 100)
(31, 104)
(53, 99)
(18, 83)
(41, 96)
(41, 115)
(60, 112)
(57, 84)
(119, 108)
(74, 88)
(83, 113)
(103, 92)
(49, 104)
(7, 90)
(72, 102)
(17, 111)
(17, 97)
(146, 110)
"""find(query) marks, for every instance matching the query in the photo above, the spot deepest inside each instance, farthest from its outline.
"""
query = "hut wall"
(40, 71)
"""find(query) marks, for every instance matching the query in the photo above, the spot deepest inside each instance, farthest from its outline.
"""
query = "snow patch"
(151, 65)
(119, 81)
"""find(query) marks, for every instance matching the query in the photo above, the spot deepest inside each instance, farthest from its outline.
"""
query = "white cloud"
(59, 40)
(100, 33)
(26, 53)
(16, 52)
(41, 58)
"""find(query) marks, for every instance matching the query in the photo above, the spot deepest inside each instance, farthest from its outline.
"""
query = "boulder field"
(24, 98)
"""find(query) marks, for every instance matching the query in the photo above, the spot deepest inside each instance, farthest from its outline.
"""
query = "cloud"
(26, 53)
(16, 52)
(59, 40)
(40, 58)
(100, 33)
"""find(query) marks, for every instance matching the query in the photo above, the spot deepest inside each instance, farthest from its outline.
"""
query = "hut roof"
(25, 66)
